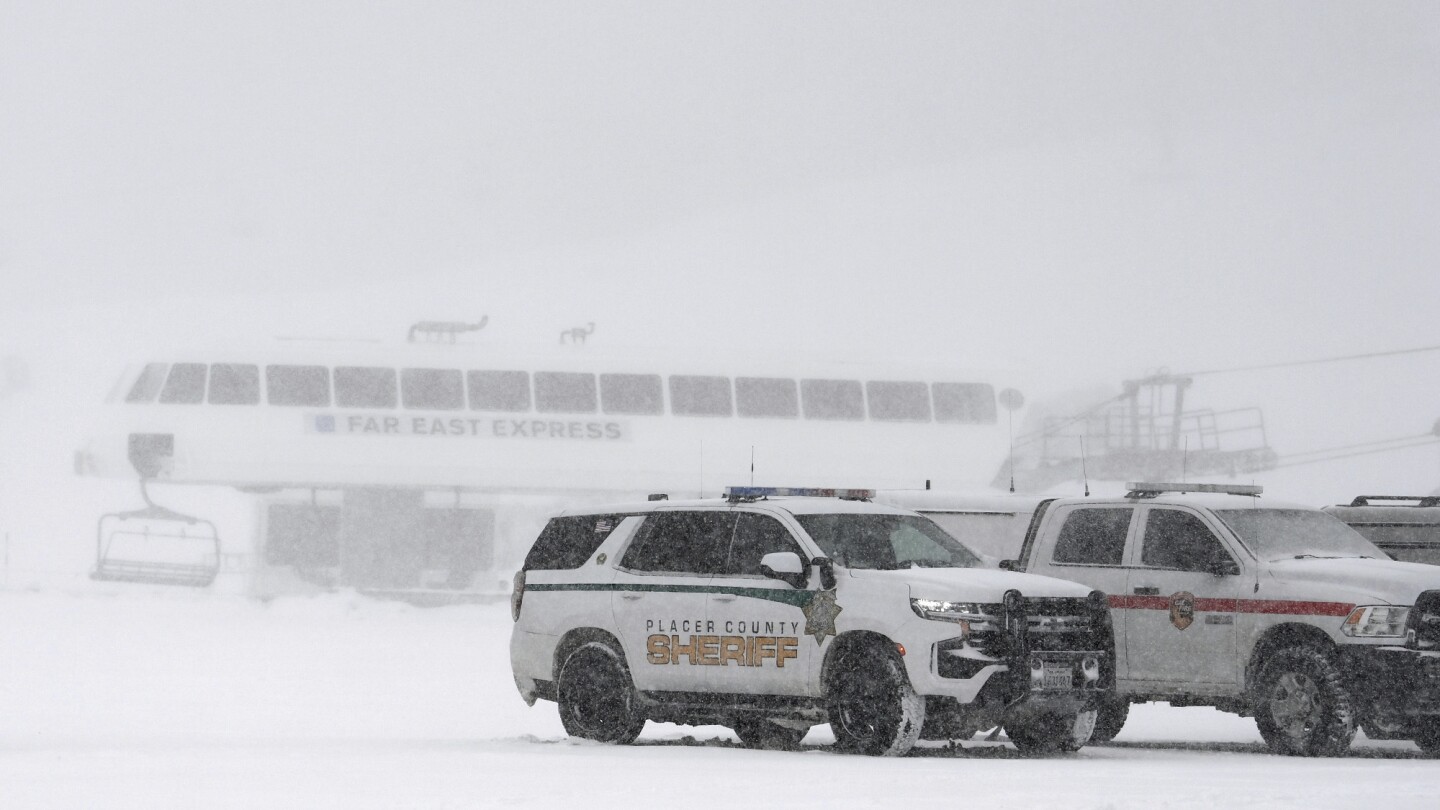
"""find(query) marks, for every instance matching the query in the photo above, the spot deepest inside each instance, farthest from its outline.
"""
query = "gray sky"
(1080, 190)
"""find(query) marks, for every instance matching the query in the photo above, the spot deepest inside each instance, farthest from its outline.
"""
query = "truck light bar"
(751, 493)
(1149, 490)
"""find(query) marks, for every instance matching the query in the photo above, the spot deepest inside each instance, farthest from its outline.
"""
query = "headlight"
(977, 616)
(1376, 621)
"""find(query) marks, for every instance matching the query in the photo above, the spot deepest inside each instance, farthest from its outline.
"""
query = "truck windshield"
(886, 542)
(1280, 534)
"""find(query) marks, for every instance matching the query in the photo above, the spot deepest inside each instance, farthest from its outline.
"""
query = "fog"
(1070, 195)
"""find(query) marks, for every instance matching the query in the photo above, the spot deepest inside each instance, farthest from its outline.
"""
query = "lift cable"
(1317, 361)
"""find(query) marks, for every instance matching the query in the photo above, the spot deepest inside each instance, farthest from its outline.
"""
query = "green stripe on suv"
(797, 598)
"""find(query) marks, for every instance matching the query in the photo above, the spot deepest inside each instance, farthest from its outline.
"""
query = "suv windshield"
(886, 542)
(1277, 534)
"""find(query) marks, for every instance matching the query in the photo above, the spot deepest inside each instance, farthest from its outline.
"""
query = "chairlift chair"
(157, 546)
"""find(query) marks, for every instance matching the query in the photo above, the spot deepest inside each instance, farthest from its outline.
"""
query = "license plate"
(1059, 676)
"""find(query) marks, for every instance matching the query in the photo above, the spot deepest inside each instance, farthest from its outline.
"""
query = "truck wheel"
(1427, 736)
(1303, 708)
(1052, 733)
(764, 734)
(1110, 716)
(597, 697)
(873, 708)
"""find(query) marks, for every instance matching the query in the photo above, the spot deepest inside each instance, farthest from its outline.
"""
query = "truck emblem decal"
(820, 616)
(1182, 609)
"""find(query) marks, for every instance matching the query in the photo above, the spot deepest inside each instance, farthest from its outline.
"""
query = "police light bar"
(1149, 490)
(751, 493)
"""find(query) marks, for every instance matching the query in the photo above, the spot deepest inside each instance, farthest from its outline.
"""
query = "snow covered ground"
(121, 696)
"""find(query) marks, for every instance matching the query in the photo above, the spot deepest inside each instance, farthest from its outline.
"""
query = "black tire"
(597, 697)
(1427, 736)
(1110, 717)
(1052, 733)
(873, 708)
(1302, 706)
(760, 733)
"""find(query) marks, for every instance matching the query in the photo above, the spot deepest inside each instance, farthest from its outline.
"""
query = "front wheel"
(597, 697)
(1110, 717)
(873, 708)
(1303, 707)
(1052, 733)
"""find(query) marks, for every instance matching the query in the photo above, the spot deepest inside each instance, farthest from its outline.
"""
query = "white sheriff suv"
(774, 610)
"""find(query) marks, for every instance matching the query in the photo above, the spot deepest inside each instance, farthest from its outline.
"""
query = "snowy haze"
(1077, 193)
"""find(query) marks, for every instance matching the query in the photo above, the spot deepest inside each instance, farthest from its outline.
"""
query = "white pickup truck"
(1271, 610)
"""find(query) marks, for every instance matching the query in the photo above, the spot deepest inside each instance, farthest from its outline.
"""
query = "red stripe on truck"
(1284, 607)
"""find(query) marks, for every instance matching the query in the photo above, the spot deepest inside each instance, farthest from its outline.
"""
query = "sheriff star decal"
(820, 616)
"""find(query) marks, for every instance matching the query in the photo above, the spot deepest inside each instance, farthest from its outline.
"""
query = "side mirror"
(1223, 566)
(785, 566)
(1010, 565)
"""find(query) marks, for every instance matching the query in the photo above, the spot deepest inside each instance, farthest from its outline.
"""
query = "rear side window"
(567, 542)
(681, 543)
(1093, 537)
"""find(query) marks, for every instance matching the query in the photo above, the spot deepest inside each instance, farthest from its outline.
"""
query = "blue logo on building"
(325, 423)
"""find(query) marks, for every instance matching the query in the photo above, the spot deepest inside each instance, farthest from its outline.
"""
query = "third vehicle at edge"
(1219, 598)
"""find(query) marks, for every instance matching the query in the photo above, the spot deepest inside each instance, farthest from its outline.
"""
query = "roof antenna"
(752, 465)
(1084, 473)
(1010, 415)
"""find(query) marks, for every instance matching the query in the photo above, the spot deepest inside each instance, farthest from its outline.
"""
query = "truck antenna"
(1010, 417)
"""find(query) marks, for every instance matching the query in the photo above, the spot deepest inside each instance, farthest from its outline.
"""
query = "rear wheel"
(1303, 707)
(768, 735)
(1052, 733)
(597, 697)
(873, 708)
(1110, 717)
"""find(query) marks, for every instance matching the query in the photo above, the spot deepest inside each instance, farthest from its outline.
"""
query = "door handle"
(630, 596)
(723, 597)
(1149, 591)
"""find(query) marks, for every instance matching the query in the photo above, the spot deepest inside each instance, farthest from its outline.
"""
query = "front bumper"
(1393, 683)
(1048, 652)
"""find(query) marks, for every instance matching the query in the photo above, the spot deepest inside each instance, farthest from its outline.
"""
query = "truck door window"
(756, 536)
(1179, 540)
(681, 543)
(1093, 537)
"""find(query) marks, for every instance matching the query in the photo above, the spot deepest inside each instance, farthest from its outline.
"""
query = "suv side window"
(756, 536)
(681, 543)
(567, 542)
(1093, 537)
(1179, 540)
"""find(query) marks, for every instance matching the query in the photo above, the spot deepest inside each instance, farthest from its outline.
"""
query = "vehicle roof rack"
(1420, 500)
(1142, 489)
(737, 494)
